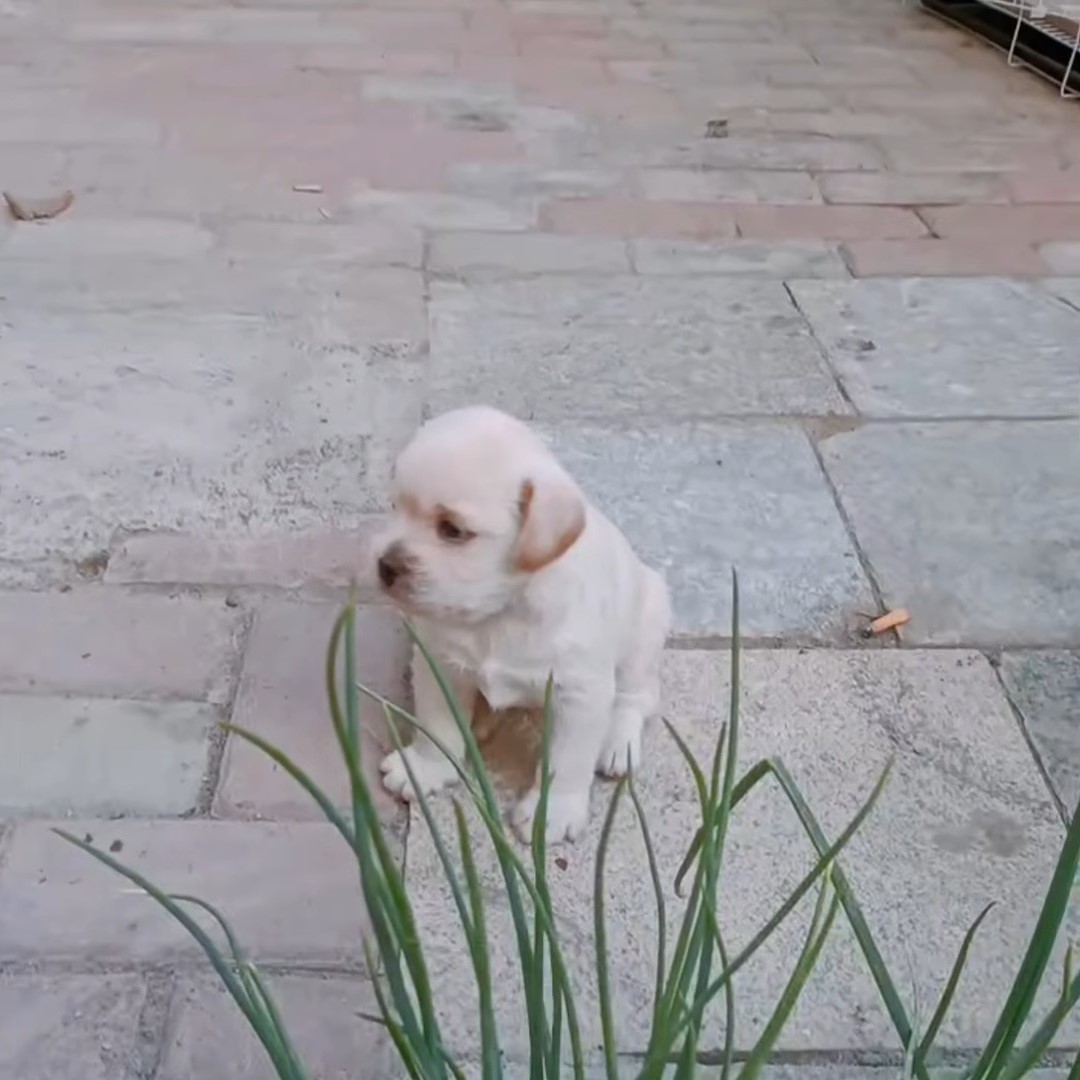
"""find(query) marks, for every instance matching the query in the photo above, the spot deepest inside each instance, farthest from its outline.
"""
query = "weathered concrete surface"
(70, 1027)
(192, 418)
(698, 500)
(290, 891)
(972, 527)
(313, 562)
(87, 757)
(947, 348)
(965, 819)
(207, 1037)
(620, 348)
(1045, 687)
(100, 642)
(282, 698)
(743, 258)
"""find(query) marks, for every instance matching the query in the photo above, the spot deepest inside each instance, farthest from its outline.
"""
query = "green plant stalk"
(253, 983)
(1024, 1059)
(478, 945)
(825, 863)
(607, 1027)
(513, 872)
(288, 766)
(402, 1043)
(675, 992)
(257, 1018)
(1014, 1013)
(539, 852)
(658, 896)
(470, 915)
(505, 849)
(729, 1009)
(947, 994)
(820, 926)
(386, 905)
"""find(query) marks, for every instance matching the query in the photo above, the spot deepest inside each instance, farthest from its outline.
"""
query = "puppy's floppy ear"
(552, 518)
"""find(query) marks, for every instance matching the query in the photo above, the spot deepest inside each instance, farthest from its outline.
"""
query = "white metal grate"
(1058, 21)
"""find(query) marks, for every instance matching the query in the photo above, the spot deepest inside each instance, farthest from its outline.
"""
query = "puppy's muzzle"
(393, 565)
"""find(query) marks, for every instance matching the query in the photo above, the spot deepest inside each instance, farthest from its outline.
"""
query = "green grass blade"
(402, 1043)
(437, 840)
(255, 1016)
(1018, 1004)
(729, 1001)
(947, 994)
(539, 1033)
(491, 1055)
(1074, 1072)
(820, 867)
(824, 863)
(506, 851)
(682, 962)
(661, 908)
(867, 945)
(322, 800)
(512, 870)
(258, 993)
(607, 1027)
(1027, 1056)
(820, 926)
(380, 878)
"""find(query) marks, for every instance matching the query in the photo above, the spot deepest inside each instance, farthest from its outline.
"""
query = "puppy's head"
(479, 505)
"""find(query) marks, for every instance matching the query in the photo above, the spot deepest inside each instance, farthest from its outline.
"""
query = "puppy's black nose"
(388, 572)
(392, 565)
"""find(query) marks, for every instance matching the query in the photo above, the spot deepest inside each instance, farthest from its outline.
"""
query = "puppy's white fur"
(511, 576)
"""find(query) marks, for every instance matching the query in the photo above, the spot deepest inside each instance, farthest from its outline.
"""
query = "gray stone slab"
(207, 1037)
(99, 757)
(973, 527)
(282, 697)
(559, 348)
(1067, 288)
(696, 501)
(290, 890)
(70, 1027)
(201, 420)
(946, 347)
(744, 258)
(101, 642)
(320, 561)
(1045, 687)
(965, 819)
(491, 256)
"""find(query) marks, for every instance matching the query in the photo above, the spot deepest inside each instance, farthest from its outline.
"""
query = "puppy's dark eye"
(450, 532)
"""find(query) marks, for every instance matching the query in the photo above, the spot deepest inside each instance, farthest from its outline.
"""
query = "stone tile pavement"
(792, 285)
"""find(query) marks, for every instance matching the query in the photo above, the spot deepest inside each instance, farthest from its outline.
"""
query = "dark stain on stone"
(985, 830)
(93, 566)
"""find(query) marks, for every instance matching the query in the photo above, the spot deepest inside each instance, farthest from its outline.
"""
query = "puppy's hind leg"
(429, 764)
(637, 681)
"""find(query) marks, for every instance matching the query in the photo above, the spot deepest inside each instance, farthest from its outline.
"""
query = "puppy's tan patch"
(543, 541)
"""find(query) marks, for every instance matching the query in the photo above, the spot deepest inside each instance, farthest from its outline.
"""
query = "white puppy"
(511, 576)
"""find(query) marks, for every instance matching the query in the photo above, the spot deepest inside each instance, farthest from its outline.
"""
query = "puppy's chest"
(511, 671)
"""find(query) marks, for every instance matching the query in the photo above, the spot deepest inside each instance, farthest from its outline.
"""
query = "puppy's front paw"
(431, 773)
(567, 815)
(622, 749)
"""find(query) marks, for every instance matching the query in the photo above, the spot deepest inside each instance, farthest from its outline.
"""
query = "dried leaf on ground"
(38, 209)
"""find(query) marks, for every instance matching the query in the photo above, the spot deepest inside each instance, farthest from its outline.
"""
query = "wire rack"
(1058, 21)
